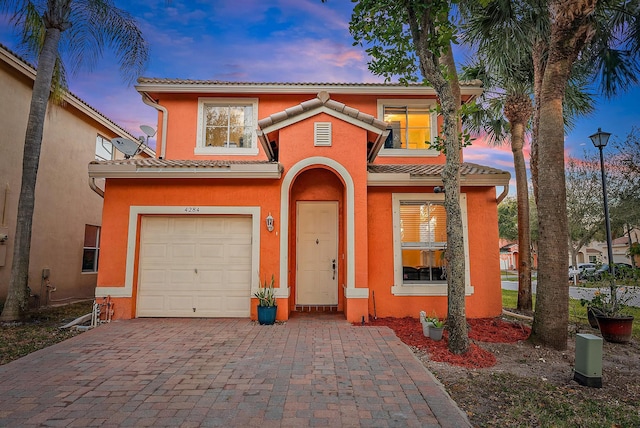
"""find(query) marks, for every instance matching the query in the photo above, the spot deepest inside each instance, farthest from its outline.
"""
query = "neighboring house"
(508, 255)
(331, 188)
(596, 251)
(67, 217)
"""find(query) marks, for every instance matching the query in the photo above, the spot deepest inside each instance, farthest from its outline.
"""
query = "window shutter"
(322, 134)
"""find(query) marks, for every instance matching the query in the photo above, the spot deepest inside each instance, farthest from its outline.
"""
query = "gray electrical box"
(588, 370)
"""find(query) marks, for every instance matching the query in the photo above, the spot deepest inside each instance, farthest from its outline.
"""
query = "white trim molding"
(135, 212)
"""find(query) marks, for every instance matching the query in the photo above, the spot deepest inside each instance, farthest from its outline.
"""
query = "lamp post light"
(600, 140)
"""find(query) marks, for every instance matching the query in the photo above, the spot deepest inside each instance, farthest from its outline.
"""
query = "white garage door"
(195, 267)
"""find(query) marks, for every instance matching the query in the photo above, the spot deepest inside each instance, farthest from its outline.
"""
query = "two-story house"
(332, 188)
(67, 217)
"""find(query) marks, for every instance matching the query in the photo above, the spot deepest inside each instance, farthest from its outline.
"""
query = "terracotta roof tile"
(175, 81)
(165, 163)
(432, 170)
(322, 99)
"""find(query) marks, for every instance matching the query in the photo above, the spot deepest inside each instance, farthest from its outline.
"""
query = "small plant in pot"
(608, 309)
(426, 323)
(267, 307)
(435, 331)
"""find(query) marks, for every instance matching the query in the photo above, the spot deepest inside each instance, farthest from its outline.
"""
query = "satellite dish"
(148, 130)
(130, 147)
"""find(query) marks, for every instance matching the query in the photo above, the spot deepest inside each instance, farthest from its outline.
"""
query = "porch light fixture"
(600, 140)
(269, 221)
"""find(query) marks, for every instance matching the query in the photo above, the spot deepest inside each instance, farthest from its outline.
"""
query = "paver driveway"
(311, 371)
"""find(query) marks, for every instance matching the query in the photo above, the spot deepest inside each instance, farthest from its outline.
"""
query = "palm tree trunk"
(524, 238)
(569, 32)
(18, 293)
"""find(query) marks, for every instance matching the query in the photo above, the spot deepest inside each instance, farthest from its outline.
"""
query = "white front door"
(317, 253)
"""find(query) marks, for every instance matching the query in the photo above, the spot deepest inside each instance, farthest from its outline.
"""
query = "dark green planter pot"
(615, 329)
(267, 314)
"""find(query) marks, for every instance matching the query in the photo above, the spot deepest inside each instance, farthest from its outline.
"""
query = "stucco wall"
(64, 201)
(486, 300)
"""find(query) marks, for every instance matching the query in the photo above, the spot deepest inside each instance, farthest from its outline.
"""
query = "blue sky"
(272, 41)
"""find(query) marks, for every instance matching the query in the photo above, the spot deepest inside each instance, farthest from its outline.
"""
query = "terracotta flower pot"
(615, 329)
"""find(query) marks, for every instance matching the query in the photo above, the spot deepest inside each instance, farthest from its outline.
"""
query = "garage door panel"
(211, 251)
(158, 251)
(195, 262)
(184, 226)
(183, 251)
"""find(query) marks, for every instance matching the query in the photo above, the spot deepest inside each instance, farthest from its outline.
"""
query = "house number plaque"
(191, 210)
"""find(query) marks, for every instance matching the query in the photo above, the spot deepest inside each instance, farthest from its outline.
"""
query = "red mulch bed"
(494, 330)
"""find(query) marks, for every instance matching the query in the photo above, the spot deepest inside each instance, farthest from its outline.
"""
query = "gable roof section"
(162, 168)
(321, 104)
(29, 71)
(471, 174)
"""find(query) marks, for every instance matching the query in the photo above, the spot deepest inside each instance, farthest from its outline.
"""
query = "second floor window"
(104, 149)
(227, 126)
(413, 125)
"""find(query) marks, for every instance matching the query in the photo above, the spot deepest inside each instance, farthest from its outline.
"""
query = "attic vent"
(322, 133)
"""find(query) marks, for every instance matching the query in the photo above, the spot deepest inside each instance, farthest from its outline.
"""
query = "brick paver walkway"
(311, 371)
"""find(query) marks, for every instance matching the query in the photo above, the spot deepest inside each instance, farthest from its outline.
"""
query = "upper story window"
(227, 126)
(104, 149)
(413, 125)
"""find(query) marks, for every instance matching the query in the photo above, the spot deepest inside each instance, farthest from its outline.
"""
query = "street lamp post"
(600, 140)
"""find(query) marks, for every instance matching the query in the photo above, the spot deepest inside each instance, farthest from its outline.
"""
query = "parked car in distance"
(622, 270)
(582, 270)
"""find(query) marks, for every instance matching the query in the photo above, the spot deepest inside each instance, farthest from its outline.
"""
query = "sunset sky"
(273, 41)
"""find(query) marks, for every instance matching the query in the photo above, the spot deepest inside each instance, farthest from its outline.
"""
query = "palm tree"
(555, 33)
(85, 27)
(510, 100)
(604, 33)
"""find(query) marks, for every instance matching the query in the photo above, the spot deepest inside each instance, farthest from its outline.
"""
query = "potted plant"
(435, 332)
(426, 322)
(267, 307)
(608, 309)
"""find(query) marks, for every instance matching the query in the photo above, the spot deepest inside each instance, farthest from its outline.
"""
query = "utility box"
(588, 369)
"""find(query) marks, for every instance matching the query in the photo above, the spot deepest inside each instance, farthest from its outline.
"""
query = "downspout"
(95, 188)
(152, 103)
(504, 193)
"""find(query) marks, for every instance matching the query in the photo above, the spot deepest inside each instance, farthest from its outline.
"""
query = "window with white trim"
(227, 126)
(104, 149)
(413, 125)
(91, 248)
(420, 242)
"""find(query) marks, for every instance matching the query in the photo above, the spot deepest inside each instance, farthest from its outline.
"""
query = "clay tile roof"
(322, 99)
(430, 170)
(175, 81)
(165, 163)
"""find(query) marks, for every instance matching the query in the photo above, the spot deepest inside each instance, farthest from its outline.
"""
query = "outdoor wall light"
(269, 221)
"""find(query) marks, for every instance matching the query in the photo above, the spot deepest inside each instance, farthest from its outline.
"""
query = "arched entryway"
(316, 241)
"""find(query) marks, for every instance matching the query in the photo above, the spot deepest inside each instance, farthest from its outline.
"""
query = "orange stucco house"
(330, 188)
